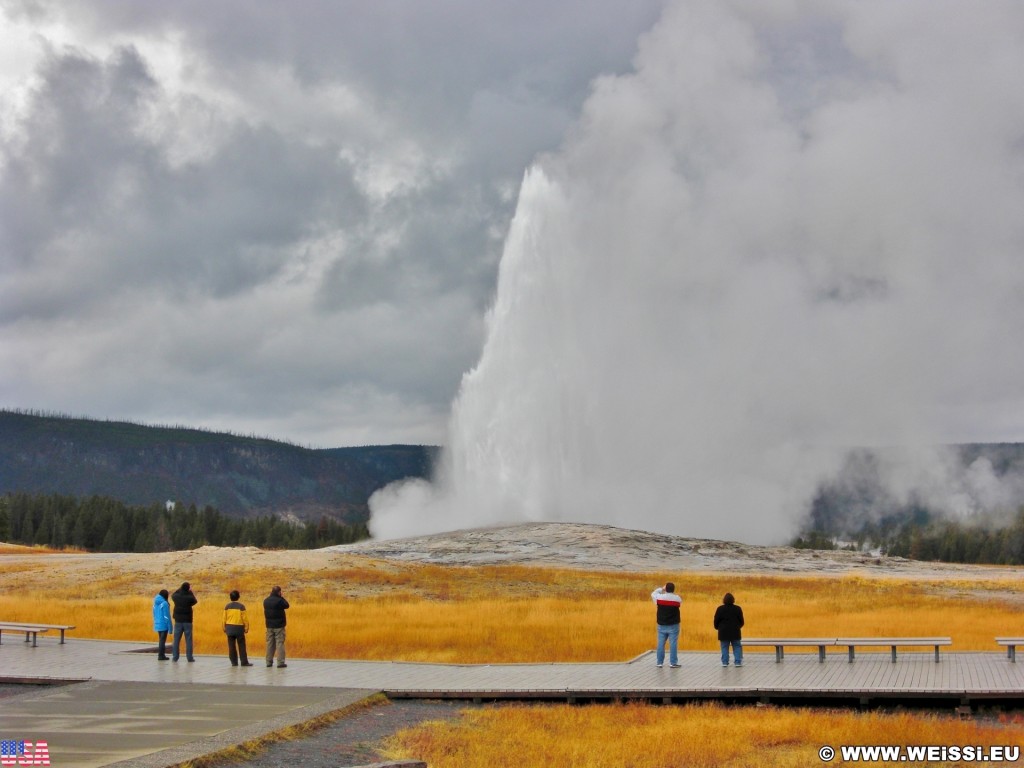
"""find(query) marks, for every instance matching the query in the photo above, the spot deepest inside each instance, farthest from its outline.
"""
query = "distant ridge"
(241, 476)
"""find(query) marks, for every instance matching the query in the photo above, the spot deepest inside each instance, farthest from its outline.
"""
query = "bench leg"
(35, 636)
(894, 654)
(821, 653)
(778, 654)
(936, 654)
(1011, 653)
(850, 649)
(62, 637)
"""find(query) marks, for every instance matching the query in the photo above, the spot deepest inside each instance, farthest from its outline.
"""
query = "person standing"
(161, 622)
(274, 607)
(236, 624)
(729, 622)
(668, 603)
(184, 600)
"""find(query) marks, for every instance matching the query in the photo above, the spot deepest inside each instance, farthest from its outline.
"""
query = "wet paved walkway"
(156, 706)
(157, 724)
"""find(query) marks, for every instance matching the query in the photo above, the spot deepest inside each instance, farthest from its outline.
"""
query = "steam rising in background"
(794, 229)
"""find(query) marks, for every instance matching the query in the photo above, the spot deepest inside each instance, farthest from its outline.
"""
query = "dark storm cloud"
(91, 198)
(281, 218)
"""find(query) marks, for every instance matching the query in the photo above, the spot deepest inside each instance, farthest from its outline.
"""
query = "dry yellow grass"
(695, 736)
(21, 549)
(365, 609)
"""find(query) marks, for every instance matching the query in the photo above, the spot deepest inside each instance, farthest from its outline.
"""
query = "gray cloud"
(751, 234)
(266, 218)
(90, 196)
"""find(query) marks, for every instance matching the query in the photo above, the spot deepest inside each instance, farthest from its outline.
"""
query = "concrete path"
(134, 704)
(152, 725)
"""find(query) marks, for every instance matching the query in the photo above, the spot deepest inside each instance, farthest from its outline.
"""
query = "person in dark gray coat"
(274, 607)
(729, 622)
(184, 600)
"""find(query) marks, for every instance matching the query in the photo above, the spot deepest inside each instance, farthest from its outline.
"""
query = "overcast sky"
(273, 218)
(286, 218)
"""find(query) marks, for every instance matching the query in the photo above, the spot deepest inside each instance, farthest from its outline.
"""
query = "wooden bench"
(33, 630)
(1011, 644)
(779, 643)
(893, 642)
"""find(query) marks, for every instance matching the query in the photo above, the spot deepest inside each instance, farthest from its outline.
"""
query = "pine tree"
(45, 529)
(59, 539)
(27, 530)
(115, 539)
(162, 536)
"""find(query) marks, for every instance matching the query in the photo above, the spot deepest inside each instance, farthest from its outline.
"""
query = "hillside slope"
(240, 476)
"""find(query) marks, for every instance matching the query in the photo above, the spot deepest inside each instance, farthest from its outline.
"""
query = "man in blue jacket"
(161, 622)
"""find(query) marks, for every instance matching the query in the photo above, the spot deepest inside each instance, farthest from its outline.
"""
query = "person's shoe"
(739, 664)
(191, 660)
(725, 665)
(674, 666)
(234, 665)
(659, 666)
(270, 663)
(281, 666)
(247, 664)
(163, 658)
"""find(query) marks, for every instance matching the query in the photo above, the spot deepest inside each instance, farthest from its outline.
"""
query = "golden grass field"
(357, 608)
(353, 607)
(695, 736)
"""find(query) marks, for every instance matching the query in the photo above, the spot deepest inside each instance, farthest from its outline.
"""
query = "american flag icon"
(18, 752)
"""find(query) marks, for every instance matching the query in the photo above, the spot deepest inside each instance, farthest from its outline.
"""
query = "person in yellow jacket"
(236, 624)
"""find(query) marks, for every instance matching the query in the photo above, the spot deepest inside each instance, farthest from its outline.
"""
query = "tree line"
(102, 524)
(956, 542)
(919, 535)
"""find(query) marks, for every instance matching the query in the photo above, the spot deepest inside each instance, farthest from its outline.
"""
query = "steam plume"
(793, 229)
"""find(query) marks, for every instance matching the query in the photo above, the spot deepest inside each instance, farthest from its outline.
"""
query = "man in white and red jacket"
(668, 603)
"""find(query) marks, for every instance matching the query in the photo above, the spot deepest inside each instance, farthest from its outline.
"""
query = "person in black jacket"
(728, 622)
(274, 607)
(183, 601)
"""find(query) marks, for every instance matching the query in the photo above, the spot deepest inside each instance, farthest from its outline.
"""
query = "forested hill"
(238, 476)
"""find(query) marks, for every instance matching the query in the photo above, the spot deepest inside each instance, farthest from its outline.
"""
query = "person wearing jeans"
(184, 600)
(668, 603)
(729, 622)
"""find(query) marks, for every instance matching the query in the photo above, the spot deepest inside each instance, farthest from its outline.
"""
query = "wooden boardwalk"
(959, 678)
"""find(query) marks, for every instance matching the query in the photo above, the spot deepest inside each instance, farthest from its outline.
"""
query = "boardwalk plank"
(870, 675)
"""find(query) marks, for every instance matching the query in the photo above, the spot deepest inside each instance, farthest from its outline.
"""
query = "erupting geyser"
(792, 229)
